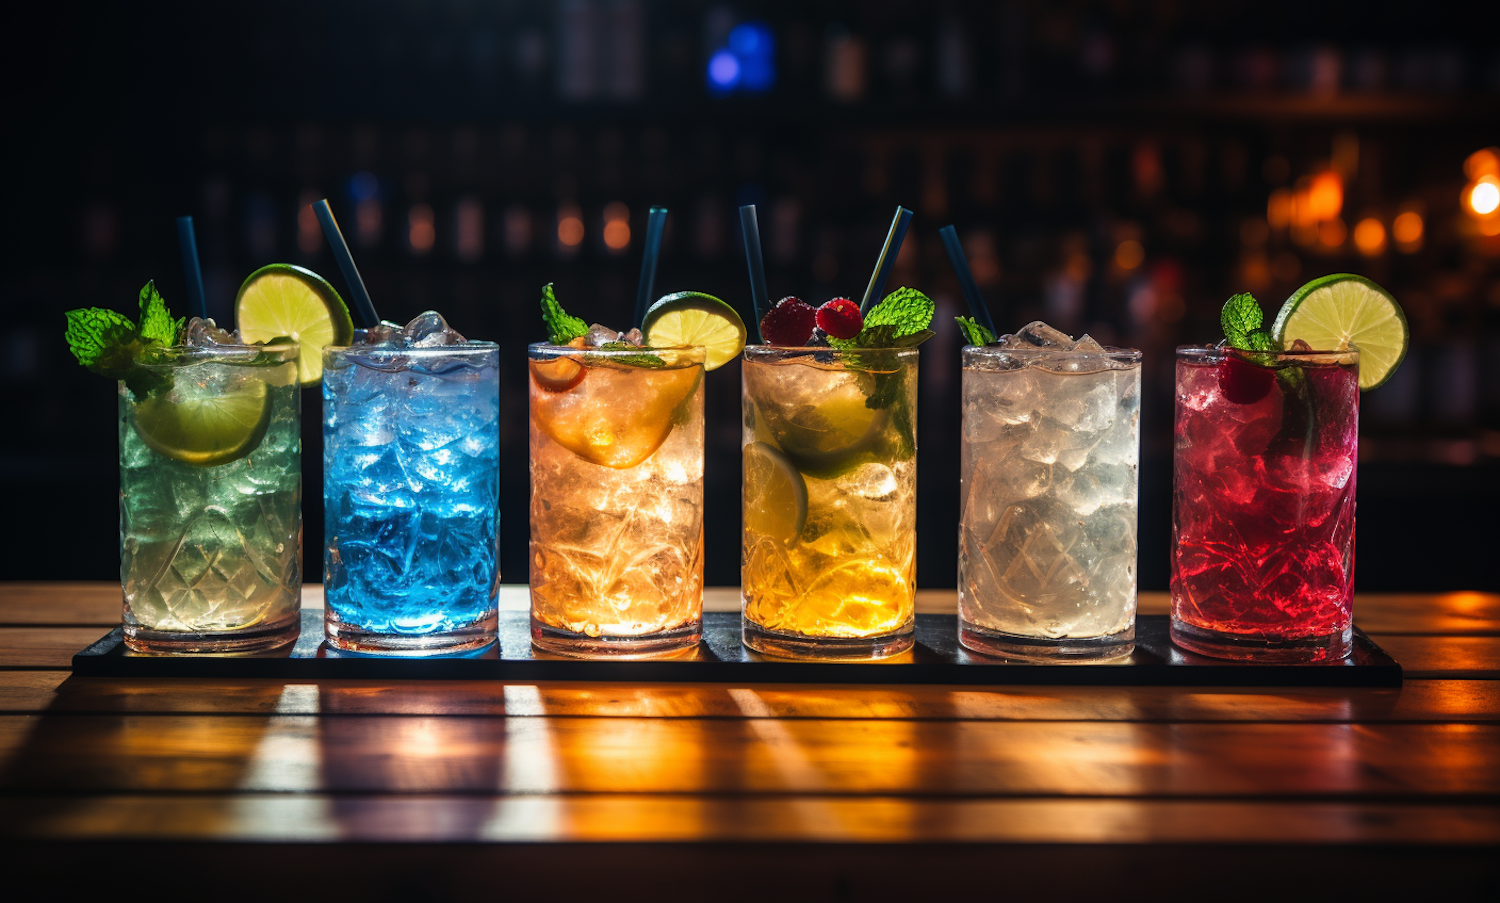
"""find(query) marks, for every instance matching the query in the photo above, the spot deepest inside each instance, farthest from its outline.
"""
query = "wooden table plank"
(1418, 700)
(413, 754)
(660, 818)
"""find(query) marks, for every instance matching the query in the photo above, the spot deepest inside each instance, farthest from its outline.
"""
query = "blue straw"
(364, 311)
(656, 224)
(977, 308)
(887, 259)
(187, 243)
(756, 263)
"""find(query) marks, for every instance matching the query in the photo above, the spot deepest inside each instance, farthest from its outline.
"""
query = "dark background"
(1114, 168)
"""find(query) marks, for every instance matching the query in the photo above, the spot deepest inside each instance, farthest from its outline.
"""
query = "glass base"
(349, 638)
(662, 644)
(245, 641)
(1330, 648)
(1059, 650)
(833, 648)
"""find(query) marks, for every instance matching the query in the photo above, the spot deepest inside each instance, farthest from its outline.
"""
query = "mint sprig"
(901, 320)
(974, 332)
(561, 328)
(108, 344)
(635, 360)
(1242, 321)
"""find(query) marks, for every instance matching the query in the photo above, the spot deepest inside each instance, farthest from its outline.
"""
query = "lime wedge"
(775, 495)
(207, 429)
(285, 300)
(693, 318)
(1340, 310)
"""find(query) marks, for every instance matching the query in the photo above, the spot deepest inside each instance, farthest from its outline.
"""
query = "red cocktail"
(1263, 503)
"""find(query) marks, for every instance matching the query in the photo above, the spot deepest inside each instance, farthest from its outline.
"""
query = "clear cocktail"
(411, 451)
(1263, 503)
(828, 558)
(1047, 533)
(211, 498)
(616, 498)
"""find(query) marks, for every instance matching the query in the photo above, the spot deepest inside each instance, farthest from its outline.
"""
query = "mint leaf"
(635, 360)
(93, 332)
(906, 308)
(975, 333)
(561, 328)
(1240, 317)
(156, 323)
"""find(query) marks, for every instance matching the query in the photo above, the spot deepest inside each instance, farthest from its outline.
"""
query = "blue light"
(723, 70)
(749, 38)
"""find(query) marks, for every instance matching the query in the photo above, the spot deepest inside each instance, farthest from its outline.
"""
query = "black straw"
(364, 310)
(756, 263)
(187, 243)
(887, 259)
(656, 224)
(977, 308)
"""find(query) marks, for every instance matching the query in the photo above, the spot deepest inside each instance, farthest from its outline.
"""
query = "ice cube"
(384, 333)
(599, 334)
(1037, 334)
(1087, 345)
(429, 329)
(205, 333)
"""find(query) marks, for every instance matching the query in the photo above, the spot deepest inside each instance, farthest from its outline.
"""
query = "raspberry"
(841, 318)
(1243, 382)
(789, 323)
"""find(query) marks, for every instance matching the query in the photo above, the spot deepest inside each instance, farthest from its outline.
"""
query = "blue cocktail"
(411, 490)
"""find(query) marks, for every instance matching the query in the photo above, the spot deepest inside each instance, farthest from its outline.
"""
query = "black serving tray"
(936, 659)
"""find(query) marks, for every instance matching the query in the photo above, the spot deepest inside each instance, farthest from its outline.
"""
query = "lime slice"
(775, 495)
(823, 424)
(1340, 310)
(207, 429)
(285, 300)
(693, 318)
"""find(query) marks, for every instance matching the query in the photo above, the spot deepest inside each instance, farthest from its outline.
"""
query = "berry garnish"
(841, 318)
(789, 323)
(1243, 382)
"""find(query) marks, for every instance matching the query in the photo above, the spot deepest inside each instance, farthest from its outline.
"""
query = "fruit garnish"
(557, 375)
(205, 430)
(281, 300)
(1343, 310)
(1243, 382)
(776, 497)
(561, 328)
(790, 323)
(900, 320)
(822, 426)
(840, 318)
(693, 318)
(975, 332)
(616, 428)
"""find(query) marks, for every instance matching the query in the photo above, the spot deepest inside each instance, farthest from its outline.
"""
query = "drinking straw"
(187, 243)
(887, 259)
(364, 310)
(756, 264)
(977, 308)
(656, 223)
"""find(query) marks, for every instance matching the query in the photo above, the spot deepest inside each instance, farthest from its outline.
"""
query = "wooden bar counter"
(428, 789)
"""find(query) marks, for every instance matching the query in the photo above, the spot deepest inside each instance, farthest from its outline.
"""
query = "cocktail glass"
(211, 538)
(616, 500)
(1263, 503)
(828, 558)
(411, 488)
(1047, 532)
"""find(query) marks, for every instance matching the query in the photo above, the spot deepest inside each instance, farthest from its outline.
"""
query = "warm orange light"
(1325, 196)
(1369, 236)
(570, 231)
(1129, 254)
(1332, 233)
(617, 235)
(1407, 230)
(1280, 208)
(1483, 163)
(419, 228)
(1483, 196)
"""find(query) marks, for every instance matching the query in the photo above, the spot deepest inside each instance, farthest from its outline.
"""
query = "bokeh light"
(1484, 195)
(1369, 236)
(1129, 254)
(1407, 229)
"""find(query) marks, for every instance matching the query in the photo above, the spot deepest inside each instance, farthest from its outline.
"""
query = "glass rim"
(469, 347)
(230, 354)
(1108, 352)
(1187, 352)
(803, 350)
(680, 354)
